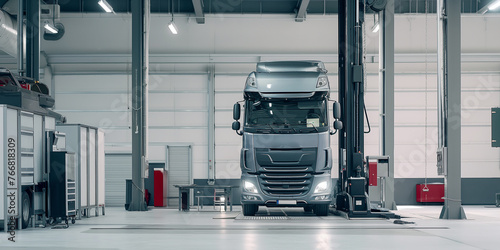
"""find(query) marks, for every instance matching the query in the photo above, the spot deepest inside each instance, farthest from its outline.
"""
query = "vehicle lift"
(352, 199)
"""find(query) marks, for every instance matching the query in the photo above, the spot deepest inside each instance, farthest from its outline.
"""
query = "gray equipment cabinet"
(495, 127)
(88, 144)
(22, 157)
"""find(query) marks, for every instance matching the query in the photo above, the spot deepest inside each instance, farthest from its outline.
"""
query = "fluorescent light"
(494, 5)
(105, 6)
(51, 28)
(172, 27)
(376, 27)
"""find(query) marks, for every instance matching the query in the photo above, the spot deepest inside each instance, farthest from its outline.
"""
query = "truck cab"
(286, 158)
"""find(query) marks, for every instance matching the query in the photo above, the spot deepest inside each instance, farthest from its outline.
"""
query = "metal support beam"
(211, 125)
(198, 11)
(139, 101)
(301, 13)
(449, 107)
(33, 39)
(386, 82)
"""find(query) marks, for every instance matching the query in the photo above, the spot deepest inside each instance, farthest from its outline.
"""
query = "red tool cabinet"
(434, 194)
(160, 183)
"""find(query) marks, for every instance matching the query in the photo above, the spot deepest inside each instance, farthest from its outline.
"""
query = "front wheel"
(26, 209)
(321, 210)
(250, 209)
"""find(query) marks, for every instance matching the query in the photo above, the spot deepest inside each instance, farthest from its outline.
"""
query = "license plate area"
(286, 202)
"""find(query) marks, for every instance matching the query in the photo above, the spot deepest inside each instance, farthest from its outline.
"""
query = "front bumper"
(310, 198)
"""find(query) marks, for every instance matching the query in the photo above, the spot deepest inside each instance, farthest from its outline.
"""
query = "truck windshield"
(286, 116)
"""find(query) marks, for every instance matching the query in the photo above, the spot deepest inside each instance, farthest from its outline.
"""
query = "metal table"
(228, 192)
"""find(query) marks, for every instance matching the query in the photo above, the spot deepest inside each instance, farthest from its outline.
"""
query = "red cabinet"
(433, 193)
(160, 183)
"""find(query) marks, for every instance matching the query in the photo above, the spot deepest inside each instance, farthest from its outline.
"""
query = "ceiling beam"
(198, 11)
(301, 13)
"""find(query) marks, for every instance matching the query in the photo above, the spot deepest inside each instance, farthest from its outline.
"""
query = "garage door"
(118, 169)
(179, 171)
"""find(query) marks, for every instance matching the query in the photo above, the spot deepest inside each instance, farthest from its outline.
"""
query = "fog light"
(321, 197)
(250, 198)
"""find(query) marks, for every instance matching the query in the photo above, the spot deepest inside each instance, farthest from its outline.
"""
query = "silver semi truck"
(286, 158)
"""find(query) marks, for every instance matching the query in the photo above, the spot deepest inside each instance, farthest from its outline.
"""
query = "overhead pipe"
(20, 38)
(8, 34)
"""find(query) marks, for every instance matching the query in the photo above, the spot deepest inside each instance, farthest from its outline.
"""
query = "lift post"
(352, 198)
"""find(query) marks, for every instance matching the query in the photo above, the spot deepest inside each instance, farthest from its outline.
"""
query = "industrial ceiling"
(250, 6)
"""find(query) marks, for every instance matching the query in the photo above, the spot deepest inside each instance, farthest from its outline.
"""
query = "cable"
(367, 121)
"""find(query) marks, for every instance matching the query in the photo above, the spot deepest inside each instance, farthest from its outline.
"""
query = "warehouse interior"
(180, 125)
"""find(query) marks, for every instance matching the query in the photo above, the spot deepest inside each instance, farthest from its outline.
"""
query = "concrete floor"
(275, 228)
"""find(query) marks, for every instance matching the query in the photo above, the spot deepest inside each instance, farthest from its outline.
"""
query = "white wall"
(178, 93)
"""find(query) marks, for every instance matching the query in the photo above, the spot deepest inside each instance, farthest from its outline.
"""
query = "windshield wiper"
(272, 129)
(290, 126)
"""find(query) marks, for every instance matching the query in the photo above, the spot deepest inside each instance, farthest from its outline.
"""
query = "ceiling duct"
(376, 5)
(8, 34)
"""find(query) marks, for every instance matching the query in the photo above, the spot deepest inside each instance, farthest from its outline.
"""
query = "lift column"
(352, 188)
(449, 107)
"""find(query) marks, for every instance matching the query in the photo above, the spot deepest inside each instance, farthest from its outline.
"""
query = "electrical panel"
(495, 127)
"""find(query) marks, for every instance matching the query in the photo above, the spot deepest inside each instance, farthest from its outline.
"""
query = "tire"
(308, 209)
(26, 209)
(250, 209)
(321, 210)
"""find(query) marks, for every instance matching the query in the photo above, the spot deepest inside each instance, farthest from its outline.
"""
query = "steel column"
(386, 88)
(138, 104)
(33, 39)
(449, 105)
(211, 125)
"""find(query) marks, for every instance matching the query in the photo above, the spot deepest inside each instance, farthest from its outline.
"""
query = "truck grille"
(286, 172)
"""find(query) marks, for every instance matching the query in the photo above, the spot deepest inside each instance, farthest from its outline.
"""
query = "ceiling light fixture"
(172, 27)
(494, 5)
(376, 27)
(105, 6)
(51, 28)
(376, 24)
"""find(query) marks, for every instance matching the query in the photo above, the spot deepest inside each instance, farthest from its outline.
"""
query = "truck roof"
(291, 66)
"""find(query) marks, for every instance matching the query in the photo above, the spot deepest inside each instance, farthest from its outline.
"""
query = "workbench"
(228, 192)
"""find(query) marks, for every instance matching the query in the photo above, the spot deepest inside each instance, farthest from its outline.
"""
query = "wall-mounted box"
(495, 127)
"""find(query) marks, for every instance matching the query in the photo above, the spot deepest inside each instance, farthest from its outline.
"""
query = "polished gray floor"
(270, 229)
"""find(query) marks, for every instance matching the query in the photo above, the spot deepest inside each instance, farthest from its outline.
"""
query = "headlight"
(249, 187)
(321, 187)
(322, 81)
(251, 80)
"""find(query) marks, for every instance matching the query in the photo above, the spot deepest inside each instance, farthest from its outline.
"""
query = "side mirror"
(236, 125)
(337, 125)
(336, 110)
(236, 112)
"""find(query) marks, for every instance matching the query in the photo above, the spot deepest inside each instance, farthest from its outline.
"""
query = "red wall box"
(160, 183)
(372, 180)
(434, 194)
